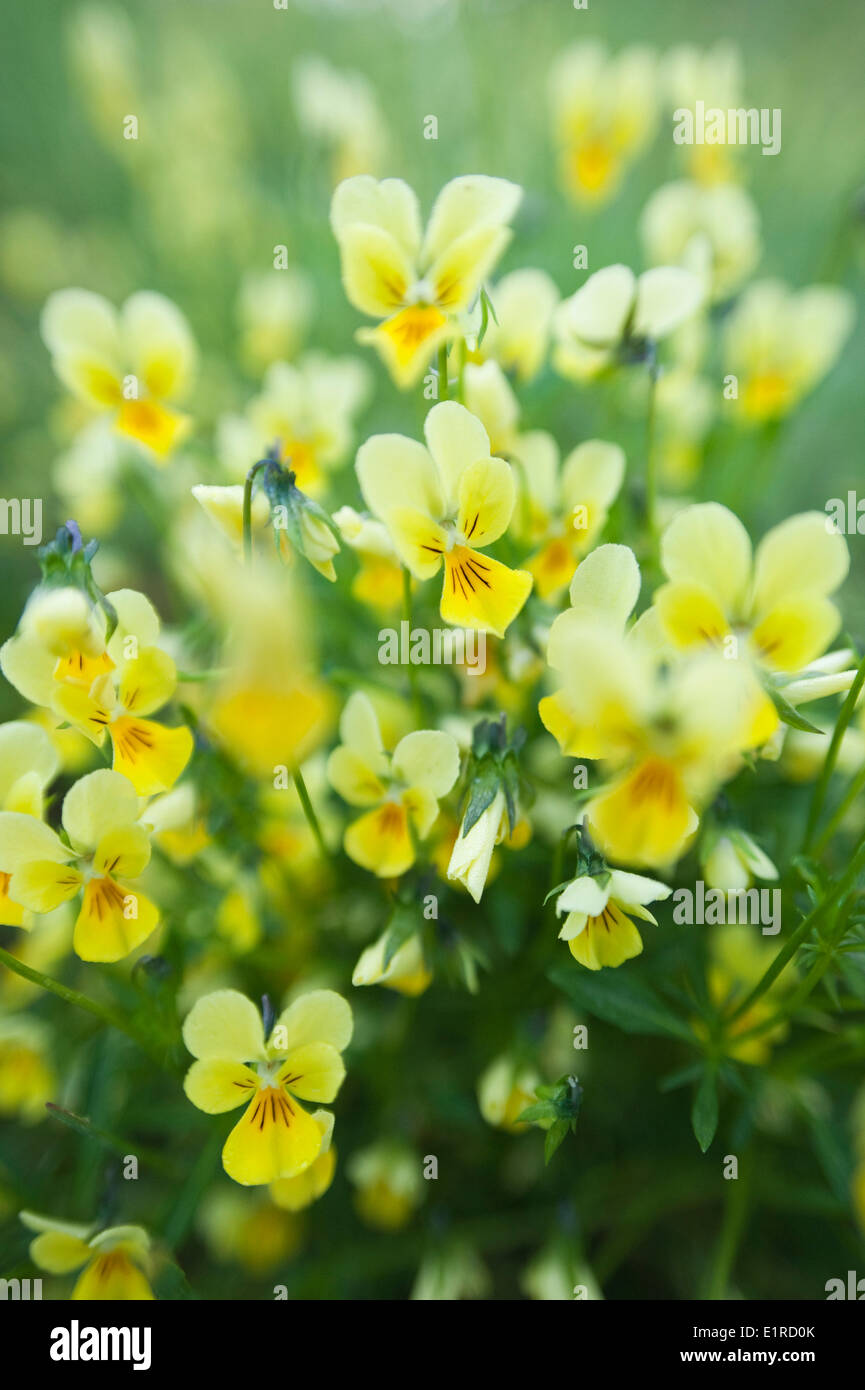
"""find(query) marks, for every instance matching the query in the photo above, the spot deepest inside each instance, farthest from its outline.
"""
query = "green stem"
(412, 673)
(247, 508)
(651, 471)
(71, 996)
(115, 1142)
(444, 393)
(786, 953)
(461, 369)
(309, 812)
(732, 1227)
(851, 795)
(832, 753)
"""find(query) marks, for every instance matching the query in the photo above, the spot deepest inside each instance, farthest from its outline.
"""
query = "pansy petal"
(113, 921)
(148, 681)
(380, 841)
(482, 593)
(793, 634)
(419, 541)
(112, 1277)
(225, 1025)
(707, 545)
(25, 748)
(598, 312)
(389, 204)
(465, 205)
(455, 439)
(407, 341)
(666, 297)
(124, 852)
(607, 585)
(394, 471)
(275, 1138)
(97, 803)
(376, 272)
(584, 894)
(352, 777)
(42, 884)
(24, 838)
(799, 557)
(636, 888)
(58, 1252)
(159, 343)
(487, 493)
(321, 1015)
(691, 615)
(149, 755)
(428, 759)
(314, 1071)
(215, 1086)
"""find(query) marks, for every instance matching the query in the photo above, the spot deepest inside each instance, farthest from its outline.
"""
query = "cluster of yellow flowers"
(667, 665)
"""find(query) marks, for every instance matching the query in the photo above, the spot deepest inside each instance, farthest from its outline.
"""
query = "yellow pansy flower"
(713, 230)
(604, 111)
(773, 602)
(598, 911)
(114, 1259)
(27, 1078)
(417, 282)
(300, 1061)
(565, 505)
(407, 971)
(28, 763)
(297, 1193)
(667, 734)
(274, 311)
(442, 505)
(714, 77)
(505, 1090)
(103, 688)
(378, 581)
(307, 411)
(106, 845)
(615, 309)
(403, 788)
(472, 852)
(243, 1226)
(339, 107)
(731, 859)
(389, 1184)
(135, 363)
(518, 337)
(780, 343)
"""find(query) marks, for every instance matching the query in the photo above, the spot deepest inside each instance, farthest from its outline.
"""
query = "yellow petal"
(294, 1194)
(645, 818)
(43, 885)
(707, 546)
(151, 756)
(320, 1015)
(262, 726)
(314, 1071)
(112, 1276)
(148, 681)
(355, 781)
(428, 759)
(482, 593)
(82, 333)
(394, 471)
(465, 205)
(408, 341)
(159, 344)
(113, 921)
(691, 615)
(215, 1086)
(553, 566)
(380, 841)
(389, 204)
(58, 1252)
(456, 438)
(276, 1138)
(609, 939)
(124, 852)
(87, 709)
(226, 1026)
(793, 634)
(799, 558)
(376, 271)
(25, 749)
(24, 838)
(153, 425)
(487, 493)
(419, 540)
(457, 274)
(97, 804)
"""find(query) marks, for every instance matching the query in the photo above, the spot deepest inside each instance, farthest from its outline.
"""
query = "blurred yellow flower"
(415, 282)
(604, 111)
(113, 1258)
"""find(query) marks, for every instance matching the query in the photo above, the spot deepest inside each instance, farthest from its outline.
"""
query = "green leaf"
(555, 1135)
(704, 1114)
(789, 714)
(543, 1110)
(619, 1000)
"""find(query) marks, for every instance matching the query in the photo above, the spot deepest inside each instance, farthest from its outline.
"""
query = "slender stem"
(732, 1227)
(851, 795)
(247, 508)
(651, 470)
(832, 752)
(786, 953)
(309, 812)
(461, 370)
(103, 1012)
(412, 673)
(444, 393)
